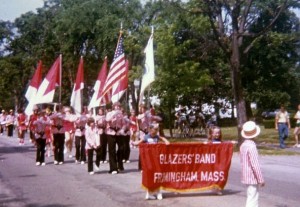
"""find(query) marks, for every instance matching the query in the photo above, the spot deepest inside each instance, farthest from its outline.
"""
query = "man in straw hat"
(251, 171)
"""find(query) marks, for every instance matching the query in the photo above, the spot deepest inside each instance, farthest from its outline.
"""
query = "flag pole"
(81, 91)
(121, 32)
(148, 98)
(60, 79)
(152, 32)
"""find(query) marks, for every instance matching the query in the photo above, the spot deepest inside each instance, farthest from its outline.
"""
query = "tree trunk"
(249, 110)
(237, 85)
(16, 102)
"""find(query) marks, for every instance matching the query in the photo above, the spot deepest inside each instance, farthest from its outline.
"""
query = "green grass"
(267, 141)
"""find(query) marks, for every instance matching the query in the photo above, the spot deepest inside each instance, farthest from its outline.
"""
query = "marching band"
(109, 132)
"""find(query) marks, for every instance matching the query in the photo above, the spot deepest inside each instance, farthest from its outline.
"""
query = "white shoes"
(91, 173)
(43, 164)
(151, 197)
(37, 163)
(82, 162)
(55, 162)
(128, 161)
(97, 169)
(159, 196)
(114, 172)
(217, 191)
(147, 197)
(60, 163)
(77, 162)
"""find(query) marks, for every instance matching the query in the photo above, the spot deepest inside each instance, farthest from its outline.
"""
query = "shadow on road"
(16, 149)
(199, 194)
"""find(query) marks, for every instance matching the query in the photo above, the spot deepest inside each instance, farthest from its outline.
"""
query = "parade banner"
(183, 167)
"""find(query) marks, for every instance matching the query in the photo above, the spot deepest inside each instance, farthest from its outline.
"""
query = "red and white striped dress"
(251, 171)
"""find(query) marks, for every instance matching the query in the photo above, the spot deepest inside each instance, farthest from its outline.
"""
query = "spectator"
(297, 128)
(282, 124)
(251, 172)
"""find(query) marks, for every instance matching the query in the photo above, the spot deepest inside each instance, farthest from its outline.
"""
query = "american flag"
(116, 72)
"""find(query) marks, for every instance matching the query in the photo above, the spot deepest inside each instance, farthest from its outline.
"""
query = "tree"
(180, 77)
(230, 23)
(264, 69)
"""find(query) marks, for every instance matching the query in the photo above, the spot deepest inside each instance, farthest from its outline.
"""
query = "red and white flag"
(96, 98)
(120, 88)
(45, 93)
(35, 82)
(149, 74)
(33, 88)
(117, 70)
(76, 96)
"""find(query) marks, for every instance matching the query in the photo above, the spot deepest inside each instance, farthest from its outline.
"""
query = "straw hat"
(250, 130)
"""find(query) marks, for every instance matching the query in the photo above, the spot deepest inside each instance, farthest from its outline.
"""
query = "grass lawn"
(267, 141)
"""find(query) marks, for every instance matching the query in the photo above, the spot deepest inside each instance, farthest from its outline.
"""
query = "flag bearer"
(40, 125)
(114, 121)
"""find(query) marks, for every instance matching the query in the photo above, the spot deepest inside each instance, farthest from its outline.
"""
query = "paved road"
(24, 184)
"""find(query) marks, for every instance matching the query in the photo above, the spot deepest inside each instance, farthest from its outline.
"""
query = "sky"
(11, 9)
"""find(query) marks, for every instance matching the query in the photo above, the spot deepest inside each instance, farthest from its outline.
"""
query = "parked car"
(269, 114)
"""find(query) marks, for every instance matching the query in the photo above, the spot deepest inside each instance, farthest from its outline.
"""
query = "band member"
(133, 126)
(80, 141)
(125, 137)
(58, 132)
(181, 116)
(101, 125)
(33, 117)
(10, 120)
(69, 126)
(40, 126)
(152, 138)
(21, 123)
(49, 135)
(2, 121)
(114, 121)
(92, 144)
(145, 119)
